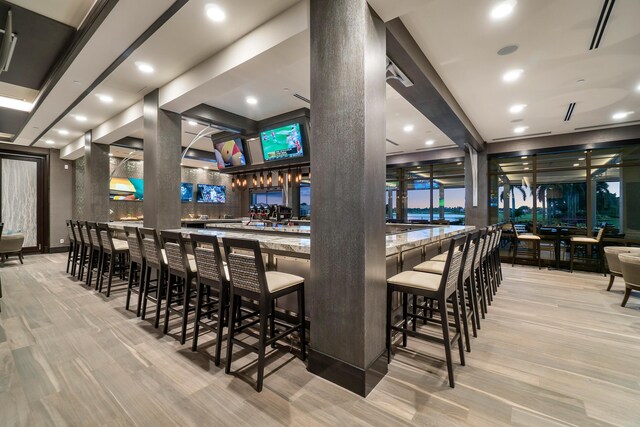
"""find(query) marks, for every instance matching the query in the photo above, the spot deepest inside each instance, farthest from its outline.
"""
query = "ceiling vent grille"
(505, 138)
(302, 98)
(607, 7)
(567, 116)
(392, 142)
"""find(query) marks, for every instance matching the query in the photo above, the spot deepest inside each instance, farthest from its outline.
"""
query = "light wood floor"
(556, 349)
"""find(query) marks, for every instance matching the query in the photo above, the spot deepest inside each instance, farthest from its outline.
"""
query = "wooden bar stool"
(588, 241)
(85, 248)
(528, 238)
(250, 280)
(182, 273)
(95, 253)
(440, 289)
(115, 252)
(137, 267)
(72, 245)
(156, 261)
(75, 265)
(213, 278)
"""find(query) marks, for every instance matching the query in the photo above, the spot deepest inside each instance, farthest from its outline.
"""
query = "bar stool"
(75, 265)
(84, 248)
(155, 260)
(137, 266)
(249, 279)
(95, 252)
(534, 239)
(439, 288)
(466, 288)
(72, 245)
(182, 272)
(588, 241)
(115, 251)
(213, 277)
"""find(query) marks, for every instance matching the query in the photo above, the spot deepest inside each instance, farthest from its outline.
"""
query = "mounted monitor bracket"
(397, 74)
(8, 44)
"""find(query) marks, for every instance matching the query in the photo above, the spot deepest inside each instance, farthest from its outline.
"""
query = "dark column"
(162, 152)
(477, 216)
(348, 288)
(96, 181)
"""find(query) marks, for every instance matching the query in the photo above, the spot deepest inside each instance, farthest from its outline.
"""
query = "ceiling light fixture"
(143, 67)
(520, 129)
(15, 104)
(192, 122)
(581, 159)
(63, 132)
(621, 115)
(80, 118)
(524, 157)
(512, 75)
(525, 163)
(429, 142)
(503, 9)
(638, 87)
(518, 108)
(526, 169)
(576, 165)
(215, 13)
(104, 98)
(50, 141)
(408, 128)
(251, 100)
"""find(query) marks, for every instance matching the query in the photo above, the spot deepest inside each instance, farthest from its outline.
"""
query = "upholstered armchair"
(630, 265)
(613, 262)
(11, 244)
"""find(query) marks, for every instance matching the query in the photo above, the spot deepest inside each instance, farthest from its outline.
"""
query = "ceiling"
(68, 12)
(553, 39)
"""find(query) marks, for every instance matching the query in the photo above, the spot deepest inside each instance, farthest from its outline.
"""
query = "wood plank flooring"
(555, 349)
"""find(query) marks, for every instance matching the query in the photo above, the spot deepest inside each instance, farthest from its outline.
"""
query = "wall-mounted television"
(282, 143)
(131, 189)
(211, 193)
(186, 192)
(229, 153)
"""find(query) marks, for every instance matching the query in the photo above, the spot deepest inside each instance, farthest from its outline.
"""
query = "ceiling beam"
(222, 119)
(428, 94)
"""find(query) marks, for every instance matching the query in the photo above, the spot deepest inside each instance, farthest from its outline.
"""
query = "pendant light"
(255, 180)
(261, 179)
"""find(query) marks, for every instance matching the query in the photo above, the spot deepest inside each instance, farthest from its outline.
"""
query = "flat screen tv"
(186, 192)
(282, 143)
(131, 189)
(229, 154)
(211, 193)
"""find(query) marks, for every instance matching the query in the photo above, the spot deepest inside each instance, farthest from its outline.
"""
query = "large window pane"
(305, 199)
(516, 197)
(606, 184)
(391, 197)
(562, 198)
(419, 200)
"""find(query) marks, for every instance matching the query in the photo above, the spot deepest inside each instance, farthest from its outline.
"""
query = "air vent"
(567, 116)
(607, 125)
(302, 98)
(504, 138)
(392, 142)
(607, 7)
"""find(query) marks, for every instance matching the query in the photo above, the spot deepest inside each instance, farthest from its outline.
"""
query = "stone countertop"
(395, 243)
(266, 228)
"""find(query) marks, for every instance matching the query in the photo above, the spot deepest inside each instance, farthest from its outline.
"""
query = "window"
(305, 199)
(391, 201)
(419, 200)
(272, 197)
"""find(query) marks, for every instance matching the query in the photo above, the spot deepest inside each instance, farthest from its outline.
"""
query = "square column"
(162, 154)
(96, 181)
(347, 292)
(477, 216)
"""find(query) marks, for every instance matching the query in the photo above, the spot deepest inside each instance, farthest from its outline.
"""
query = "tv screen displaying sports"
(211, 193)
(229, 154)
(131, 189)
(282, 143)
(186, 192)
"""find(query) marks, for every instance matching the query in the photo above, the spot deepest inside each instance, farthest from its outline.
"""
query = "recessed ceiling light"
(503, 9)
(512, 75)
(526, 169)
(520, 129)
(251, 100)
(63, 132)
(50, 141)
(517, 108)
(459, 163)
(525, 163)
(192, 122)
(104, 98)
(80, 118)
(524, 157)
(638, 88)
(576, 164)
(429, 142)
(215, 13)
(581, 159)
(143, 67)
(408, 128)
(621, 115)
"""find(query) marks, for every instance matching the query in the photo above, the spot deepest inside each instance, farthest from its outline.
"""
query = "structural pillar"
(96, 181)
(477, 215)
(348, 284)
(162, 154)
